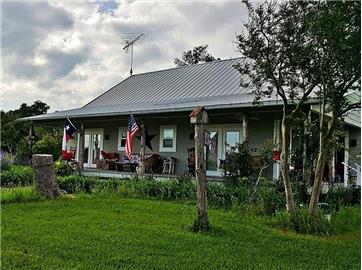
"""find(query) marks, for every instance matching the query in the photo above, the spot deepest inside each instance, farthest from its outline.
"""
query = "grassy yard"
(108, 232)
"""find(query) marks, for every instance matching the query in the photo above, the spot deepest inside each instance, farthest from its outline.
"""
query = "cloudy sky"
(66, 53)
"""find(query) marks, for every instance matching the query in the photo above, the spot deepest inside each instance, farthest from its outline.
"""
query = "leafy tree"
(288, 51)
(197, 55)
(14, 134)
(277, 58)
(337, 30)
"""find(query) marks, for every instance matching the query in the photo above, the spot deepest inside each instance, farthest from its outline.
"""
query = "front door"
(93, 145)
(223, 137)
(213, 152)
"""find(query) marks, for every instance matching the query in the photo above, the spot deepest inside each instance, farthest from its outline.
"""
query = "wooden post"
(199, 117)
(142, 150)
(81, 147)
(31, 140)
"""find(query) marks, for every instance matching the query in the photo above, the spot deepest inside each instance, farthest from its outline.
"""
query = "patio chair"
(169, 165)
(151, 163)
(110, 160)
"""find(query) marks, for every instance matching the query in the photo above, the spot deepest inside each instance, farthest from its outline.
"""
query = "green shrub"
(343, 196)
(49, 144)
(63, 168)
(20, 195)
(6, 160)
(76, 183)
(270, 198)
(347, 219)
(303, 222)
(17, 175)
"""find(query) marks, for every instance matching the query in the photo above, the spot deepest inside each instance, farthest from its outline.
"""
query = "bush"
(347, 219)
(76, 183)
(17, 175)
(270, 198)
(343, 196)
(49, 145)
(63, 168)
(303, 222)
(6, 160)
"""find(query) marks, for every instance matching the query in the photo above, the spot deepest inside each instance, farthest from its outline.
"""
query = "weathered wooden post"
(199, 117)
(44, 176)
(141, 168)
(81, 147)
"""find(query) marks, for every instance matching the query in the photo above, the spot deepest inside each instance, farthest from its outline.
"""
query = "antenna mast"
(129, 40)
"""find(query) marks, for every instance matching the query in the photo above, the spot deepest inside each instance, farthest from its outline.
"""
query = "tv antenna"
(130, 39)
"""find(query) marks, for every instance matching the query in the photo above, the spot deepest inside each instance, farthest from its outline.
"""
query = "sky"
(66, 53)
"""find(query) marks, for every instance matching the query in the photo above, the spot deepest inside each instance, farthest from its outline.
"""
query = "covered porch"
(171, 136)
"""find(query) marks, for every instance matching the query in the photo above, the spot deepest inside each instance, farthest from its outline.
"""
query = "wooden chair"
(169, 165)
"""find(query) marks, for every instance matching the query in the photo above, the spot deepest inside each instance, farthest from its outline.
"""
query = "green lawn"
(100, 232)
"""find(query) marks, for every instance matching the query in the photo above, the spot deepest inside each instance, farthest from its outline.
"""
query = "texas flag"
(69, 130)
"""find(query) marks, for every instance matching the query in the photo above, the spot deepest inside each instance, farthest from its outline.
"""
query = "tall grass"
(16, 175)
(19, 195)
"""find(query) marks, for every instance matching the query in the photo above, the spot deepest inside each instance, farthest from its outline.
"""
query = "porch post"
(142, 150)
(346, 158)
(245, 128)
(199, 117)
(81, 147)
(276, 165)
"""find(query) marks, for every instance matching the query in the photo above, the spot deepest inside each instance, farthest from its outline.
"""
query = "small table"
(127, 166)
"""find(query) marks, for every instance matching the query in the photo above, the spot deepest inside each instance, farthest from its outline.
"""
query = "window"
(231, 139)
(168, 139)
(122, 136)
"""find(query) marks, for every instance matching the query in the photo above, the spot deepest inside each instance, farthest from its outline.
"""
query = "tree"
(197, 55)
(337, 29)
(298, 50)
(279, 59)
(14, 134)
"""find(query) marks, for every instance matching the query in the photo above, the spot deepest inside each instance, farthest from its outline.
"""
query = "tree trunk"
(202, 216)
(285, 168)
(321, 162)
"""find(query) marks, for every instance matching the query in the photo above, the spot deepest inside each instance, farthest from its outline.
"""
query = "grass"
(109, 232)
(19, 194)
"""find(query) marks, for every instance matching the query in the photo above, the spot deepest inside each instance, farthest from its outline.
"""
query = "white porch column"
(346, 157)
(276, 165)
(245, 128)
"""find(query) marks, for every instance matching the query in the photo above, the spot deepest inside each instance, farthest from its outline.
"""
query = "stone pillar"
(44, 175)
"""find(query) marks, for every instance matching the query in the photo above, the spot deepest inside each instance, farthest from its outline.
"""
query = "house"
(163, 99)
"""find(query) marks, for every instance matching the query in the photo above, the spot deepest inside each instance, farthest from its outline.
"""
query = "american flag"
(213, 146)
(131, 131)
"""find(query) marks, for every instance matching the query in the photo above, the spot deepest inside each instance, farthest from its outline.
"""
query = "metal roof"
(213, 85)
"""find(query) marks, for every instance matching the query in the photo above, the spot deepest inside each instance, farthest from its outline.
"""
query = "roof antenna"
(130, 39)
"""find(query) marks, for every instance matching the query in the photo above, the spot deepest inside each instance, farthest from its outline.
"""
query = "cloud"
(66, 53)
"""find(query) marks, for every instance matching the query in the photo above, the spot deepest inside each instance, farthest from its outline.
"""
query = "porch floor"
(117, 174)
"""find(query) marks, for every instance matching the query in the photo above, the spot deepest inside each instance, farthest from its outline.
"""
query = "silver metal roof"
(213, 85)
